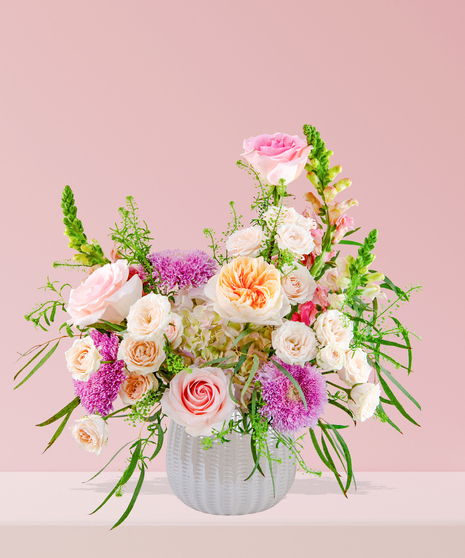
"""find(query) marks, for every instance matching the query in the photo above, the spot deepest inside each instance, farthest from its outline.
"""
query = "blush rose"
(198, 398)
(276, 157)
(105, 295)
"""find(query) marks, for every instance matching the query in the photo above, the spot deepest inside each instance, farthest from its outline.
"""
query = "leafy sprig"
(46, 311)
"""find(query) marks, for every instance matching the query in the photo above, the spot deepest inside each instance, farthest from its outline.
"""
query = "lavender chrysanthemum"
(182, 268)
(99, 392)
(284, 405)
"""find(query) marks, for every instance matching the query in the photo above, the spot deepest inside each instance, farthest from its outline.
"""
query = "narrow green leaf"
(59, 430)
(54, 311)
(318, 450)
(115, 327)
(388, 284)
(389, 421)
(137, 490)
(103, 468)
(241, 335)
(125, 476)
(74, 403)
(351, 232)
(294, 382)
(400, 386)
(394, 399)
(351, 242)
(160, 438)
(348, 458)
(340, 406)
(254, 369)
(379, 341)
(32, 359)
(333, 466)
(406, 337)
(215, 361)
(41, 363)
(69, 331)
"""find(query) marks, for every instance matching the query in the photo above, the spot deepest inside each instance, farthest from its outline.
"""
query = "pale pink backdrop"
(153, 99)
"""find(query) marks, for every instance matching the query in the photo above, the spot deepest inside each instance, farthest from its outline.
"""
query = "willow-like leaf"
(103, 468)
(32, 359)
(41, 363)
(254, 369)
(394, 400)
(406, 337)
(400, 386)
(135, 494)
(59, 431)
(70, 407)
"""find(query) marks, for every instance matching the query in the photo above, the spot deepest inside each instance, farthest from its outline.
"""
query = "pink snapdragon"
(343, 225)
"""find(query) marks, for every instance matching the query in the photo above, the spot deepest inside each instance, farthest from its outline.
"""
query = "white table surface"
(381, 499)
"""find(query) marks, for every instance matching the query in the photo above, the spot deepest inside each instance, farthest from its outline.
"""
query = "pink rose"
(198, 399)
(277, 157)
(105, 295)
(320, 297)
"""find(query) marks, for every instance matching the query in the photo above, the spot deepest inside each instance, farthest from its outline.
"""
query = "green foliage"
(138, 460)
(46, 311)
(39, 365)
(141, 409)
(134, 241)
(89, 254)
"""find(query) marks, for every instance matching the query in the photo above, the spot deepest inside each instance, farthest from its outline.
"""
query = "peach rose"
(245, 242)
(295, 238)
(141, 356)
(198, 398)
(149, 317)
(135, 386)
(174, 330)
(83, 359)
(298, 284)
(248, 290)
(105, 295)
(331, 357)
(278, 156)
(91, 433)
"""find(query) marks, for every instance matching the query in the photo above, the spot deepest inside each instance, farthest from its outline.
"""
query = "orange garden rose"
(248, 290)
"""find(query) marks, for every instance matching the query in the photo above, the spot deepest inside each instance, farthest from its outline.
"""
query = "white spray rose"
(83, 359)
(331, 357)
(288, 215)
(365, 400)
(333, 328)
(149, 317)
(298, 284)
(245, 242)
(295, 238)
(356, 370)
(91, 433)
(294, 343)
(139, 356)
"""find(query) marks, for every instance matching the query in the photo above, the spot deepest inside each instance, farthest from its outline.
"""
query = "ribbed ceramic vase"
(213, 480)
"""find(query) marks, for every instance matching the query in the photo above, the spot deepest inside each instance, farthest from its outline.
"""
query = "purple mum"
(284, 405)
(182, 268)
(99, 392)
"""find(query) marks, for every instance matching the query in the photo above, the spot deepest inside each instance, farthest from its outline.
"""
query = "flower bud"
(374, 276)
(342, 184)
(315, 163)
(334, 171)
(313, 178)
(371, 291)
(329, 194)
(82, 258)
(311, 198)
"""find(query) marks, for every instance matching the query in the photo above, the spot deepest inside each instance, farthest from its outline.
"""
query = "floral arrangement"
(263, 335)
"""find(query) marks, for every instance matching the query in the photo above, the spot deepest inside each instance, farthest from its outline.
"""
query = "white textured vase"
(213, 480)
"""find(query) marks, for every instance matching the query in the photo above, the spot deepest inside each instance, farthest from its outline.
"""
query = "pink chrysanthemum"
(182, 268)
(99, 392)
(284, 405)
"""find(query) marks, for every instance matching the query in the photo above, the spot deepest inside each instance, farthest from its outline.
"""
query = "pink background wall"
(154, 99)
